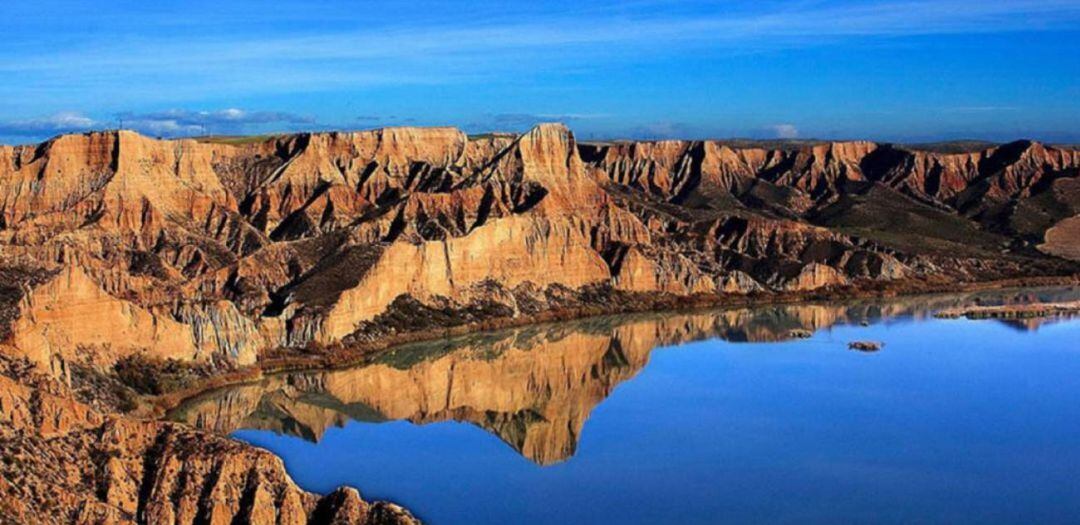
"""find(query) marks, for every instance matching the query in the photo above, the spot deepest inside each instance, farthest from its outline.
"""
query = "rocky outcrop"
(71, 312)
(115, 244)
(676, 170)
(66, 463)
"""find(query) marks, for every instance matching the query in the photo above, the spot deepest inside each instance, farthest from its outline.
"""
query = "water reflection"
(533, 387)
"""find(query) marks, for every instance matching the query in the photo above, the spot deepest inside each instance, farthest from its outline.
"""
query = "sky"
(889, 70)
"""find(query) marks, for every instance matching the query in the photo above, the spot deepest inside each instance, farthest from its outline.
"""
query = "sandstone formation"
(115, 244)
(63, 462)
(117, 249)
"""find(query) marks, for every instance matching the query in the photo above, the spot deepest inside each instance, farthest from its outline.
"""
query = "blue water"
(954, 421)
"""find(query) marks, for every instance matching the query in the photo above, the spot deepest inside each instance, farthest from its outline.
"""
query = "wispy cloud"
(663, 130)
(64, 122)
(663, 62)
(179, 122)
(523, 121)
(170, 123)
(785, 131)
(432, 52)
(381, 121)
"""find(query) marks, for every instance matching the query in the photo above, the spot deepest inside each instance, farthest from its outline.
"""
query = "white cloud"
(785, 131)
(170, 123)
(662, 131)
(179, 122)
(524, 121)
(63, 122)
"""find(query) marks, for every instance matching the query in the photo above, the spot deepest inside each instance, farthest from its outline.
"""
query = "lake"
(756, 415)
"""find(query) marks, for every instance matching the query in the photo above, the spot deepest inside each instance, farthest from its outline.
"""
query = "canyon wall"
(114, 244)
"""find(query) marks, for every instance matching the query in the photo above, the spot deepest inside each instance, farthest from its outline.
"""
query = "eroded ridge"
(114, 244)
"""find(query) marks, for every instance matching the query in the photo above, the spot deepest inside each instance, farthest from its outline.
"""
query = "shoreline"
(342, 356)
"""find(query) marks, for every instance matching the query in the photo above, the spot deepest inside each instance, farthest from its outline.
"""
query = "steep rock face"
(378, 166)
(677, 169)
(71, 312)
(959, 180)
(814, 276)
(214, 252)
(65, 463)
(511, 252)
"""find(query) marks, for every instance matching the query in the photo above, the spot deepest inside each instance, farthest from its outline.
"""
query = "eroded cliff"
(64, 462)
(114, 244)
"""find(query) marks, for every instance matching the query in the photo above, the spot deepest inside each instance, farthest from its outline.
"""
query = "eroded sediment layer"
(64, 462)
(210, 252)
(117, 248)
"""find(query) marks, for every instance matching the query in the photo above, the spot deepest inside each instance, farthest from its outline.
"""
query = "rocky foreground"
(130, 266)
(64, 462)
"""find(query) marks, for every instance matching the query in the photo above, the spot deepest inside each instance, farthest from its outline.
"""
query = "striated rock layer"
(118, 251)
(63, 462)
(114, 244)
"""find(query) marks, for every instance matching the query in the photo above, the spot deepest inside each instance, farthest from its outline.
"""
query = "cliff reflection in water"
(533, 387)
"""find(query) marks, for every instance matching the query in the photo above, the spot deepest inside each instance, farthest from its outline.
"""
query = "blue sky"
(899, 70)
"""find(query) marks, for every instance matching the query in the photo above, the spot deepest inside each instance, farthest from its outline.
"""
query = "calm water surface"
(696, 418)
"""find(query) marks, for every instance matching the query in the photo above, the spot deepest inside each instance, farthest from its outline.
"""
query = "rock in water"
(866, 346)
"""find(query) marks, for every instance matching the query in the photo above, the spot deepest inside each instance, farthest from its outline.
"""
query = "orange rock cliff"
(114, 243)
(117, 249)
